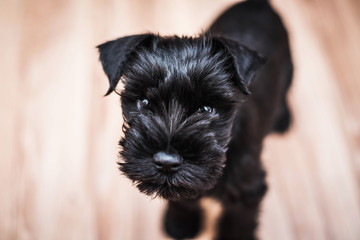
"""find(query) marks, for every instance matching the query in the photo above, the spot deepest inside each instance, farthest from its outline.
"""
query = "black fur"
(186, 96)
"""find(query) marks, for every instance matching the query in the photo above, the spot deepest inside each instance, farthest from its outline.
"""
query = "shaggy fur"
(190, 130)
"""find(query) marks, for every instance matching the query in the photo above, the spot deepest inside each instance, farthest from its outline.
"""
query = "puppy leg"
(238, 222)
(243, 188)
(283, 120)
(183, 219)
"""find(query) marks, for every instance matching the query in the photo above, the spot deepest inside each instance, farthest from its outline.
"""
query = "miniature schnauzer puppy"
(196, 111)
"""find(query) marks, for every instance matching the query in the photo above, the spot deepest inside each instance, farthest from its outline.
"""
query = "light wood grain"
(58, 151)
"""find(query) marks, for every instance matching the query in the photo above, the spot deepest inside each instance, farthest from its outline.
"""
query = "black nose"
(167, 162)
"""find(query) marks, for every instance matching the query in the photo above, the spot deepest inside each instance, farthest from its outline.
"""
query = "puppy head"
(179, 100)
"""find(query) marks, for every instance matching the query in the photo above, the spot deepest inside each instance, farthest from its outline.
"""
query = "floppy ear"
(114, 54)
(246, 62)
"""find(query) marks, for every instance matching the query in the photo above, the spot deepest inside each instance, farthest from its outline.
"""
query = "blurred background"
(59, 135)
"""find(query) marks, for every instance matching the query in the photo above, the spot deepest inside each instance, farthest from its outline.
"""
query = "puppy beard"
(202, 152)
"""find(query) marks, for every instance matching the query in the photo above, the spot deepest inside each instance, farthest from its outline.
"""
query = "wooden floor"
(58, 146)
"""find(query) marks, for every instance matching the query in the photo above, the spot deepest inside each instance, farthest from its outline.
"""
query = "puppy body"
(259, 28)
(190, 131)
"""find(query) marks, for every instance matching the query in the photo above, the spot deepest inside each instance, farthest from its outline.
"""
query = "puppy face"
(179, 102)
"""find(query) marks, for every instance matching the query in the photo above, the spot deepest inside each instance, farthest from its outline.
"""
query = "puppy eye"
(142, 103)
(205, 109)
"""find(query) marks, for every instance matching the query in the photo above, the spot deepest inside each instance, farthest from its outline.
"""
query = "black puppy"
(190, 130)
